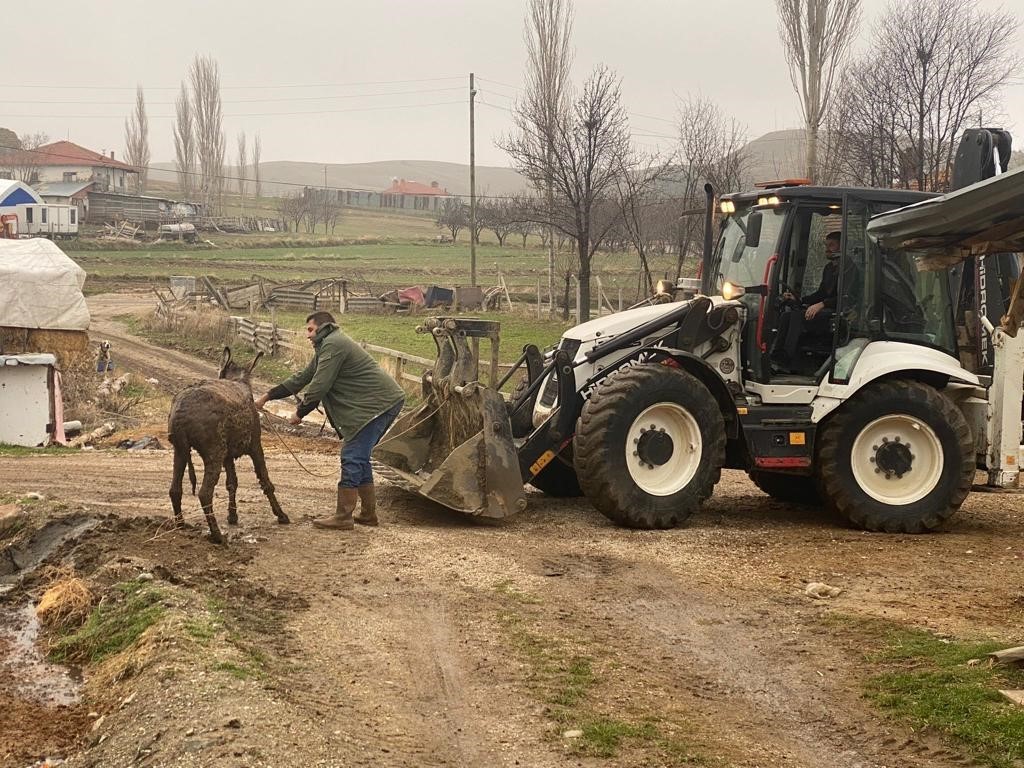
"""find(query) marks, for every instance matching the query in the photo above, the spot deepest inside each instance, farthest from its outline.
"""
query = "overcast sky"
(308, 76)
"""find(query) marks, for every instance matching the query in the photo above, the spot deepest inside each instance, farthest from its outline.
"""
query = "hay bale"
(65, 604)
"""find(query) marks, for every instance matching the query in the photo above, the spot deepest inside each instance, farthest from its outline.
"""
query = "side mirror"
(754, 230)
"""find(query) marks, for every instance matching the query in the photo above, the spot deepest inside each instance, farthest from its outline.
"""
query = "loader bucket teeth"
(456, 448)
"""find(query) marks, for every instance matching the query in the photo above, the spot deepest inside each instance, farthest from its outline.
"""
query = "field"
(371, 250)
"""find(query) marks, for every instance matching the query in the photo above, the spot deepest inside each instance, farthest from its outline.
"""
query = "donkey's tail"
(191, 473)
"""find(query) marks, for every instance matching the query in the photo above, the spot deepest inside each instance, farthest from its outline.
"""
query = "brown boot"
(342, 519)
(367, 514)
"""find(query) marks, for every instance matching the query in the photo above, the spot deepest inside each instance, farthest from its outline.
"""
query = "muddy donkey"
(219, 420)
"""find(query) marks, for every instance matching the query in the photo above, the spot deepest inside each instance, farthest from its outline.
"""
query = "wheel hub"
(654, 447)
(893, 458)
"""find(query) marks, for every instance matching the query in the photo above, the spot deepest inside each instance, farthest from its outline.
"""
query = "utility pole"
(472, 184)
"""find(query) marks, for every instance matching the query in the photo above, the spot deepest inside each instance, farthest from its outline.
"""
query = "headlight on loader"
(731, 291)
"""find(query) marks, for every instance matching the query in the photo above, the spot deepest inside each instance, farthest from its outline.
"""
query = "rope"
(298, 461)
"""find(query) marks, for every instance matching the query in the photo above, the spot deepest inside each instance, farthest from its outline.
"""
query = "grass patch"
(926, 682)
(567, 680)
(17, 451)
(113, 625)
(237, 671)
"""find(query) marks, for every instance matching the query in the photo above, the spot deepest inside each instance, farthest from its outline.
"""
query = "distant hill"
(371, 176)
(776, 155)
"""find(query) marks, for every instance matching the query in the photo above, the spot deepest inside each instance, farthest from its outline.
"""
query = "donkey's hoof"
(283, 519)
(232, 519)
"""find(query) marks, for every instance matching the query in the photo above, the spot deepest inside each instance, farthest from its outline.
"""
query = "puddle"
(16, 560)
(24, 670)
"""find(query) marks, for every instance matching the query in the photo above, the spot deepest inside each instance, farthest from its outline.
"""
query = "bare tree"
(949, 61)
(292, 209)
(548, 36)
(257, 149)
(499, 216)
(453, 216)
(580, 156)
(710, 151)
(204, 75)
(638, 197)
(817, 35)
(331, 210)
(243, 157)
(23, 163)
(184, 142)
(136, 140)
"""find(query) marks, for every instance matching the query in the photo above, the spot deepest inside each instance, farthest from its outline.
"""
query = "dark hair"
(320, 318)
(837, 235)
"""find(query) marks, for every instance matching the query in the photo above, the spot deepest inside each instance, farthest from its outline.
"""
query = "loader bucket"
(456, 448)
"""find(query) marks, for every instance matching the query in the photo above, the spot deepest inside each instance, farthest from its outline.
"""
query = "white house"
(67, 162)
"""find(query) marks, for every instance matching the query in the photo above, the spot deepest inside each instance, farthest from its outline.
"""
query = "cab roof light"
(768, 200)
(781, 183)
(727, 206)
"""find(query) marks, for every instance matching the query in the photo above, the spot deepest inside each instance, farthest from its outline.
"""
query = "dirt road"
(438, 640)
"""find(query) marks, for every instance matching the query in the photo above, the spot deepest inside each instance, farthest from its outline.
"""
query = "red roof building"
(412, 194)
(66, 162)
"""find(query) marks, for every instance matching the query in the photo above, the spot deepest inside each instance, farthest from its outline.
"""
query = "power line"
(235, 87)
(255, 114)
(245, 101)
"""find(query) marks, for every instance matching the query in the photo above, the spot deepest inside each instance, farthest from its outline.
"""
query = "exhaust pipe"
(709, 217)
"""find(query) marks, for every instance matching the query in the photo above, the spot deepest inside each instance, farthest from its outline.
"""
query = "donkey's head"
(229, 370)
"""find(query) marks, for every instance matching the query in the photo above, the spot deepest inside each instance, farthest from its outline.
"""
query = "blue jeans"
(355, 453)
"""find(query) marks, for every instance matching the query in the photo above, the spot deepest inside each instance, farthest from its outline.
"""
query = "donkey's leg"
(232, 483)
(211, 474)
(260, 465)
(180, 460)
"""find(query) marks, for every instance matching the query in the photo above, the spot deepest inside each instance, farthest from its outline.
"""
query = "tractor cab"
(816, 290)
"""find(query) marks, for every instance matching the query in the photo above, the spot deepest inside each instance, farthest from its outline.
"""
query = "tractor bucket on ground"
(456, 447)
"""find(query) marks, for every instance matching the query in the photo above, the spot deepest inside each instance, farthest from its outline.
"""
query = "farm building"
(74, 193)
(141, 209)
(65, 161)
(413, 195)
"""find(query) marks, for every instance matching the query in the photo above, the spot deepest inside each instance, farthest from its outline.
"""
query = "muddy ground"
(438, 640)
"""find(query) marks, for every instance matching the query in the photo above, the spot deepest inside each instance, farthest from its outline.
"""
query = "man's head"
(315, 320)
(832, 243)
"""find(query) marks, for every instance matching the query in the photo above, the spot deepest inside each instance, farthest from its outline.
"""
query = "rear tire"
(792, 489)
(898, 457)
(649, 446)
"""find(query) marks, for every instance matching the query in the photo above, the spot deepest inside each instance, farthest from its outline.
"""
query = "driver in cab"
(815, 309)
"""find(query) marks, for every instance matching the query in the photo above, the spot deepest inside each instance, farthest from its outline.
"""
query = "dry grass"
(65, 604)
(205, 326)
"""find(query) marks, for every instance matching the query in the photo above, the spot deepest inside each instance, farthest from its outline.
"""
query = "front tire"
(898, 457)
(649, 446)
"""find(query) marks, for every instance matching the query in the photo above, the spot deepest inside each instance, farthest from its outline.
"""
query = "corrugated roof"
(62, 153)
(62, 188)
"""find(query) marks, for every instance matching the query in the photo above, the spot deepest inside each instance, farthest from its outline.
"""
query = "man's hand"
(295, 419)
(788, 296)
(261, 402)
(813, 310)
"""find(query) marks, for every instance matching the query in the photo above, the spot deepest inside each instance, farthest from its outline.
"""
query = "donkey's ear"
(248, 371)
(225, 360)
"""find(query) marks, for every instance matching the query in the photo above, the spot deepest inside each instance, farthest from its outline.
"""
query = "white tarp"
(40, 287)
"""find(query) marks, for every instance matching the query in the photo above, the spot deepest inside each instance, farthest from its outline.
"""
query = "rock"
(821, 590)
(34, 496)
(152, 381)
(190, 732)
(575, 733)
(145, 576)
(128, 700)
(99, 723)
(233, 723)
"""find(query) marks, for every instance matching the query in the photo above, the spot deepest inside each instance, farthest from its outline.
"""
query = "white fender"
(883, 358)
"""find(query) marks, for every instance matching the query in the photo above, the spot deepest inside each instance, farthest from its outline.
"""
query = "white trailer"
(47, 220)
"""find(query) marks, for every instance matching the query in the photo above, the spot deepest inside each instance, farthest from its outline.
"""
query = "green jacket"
(346, 380)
